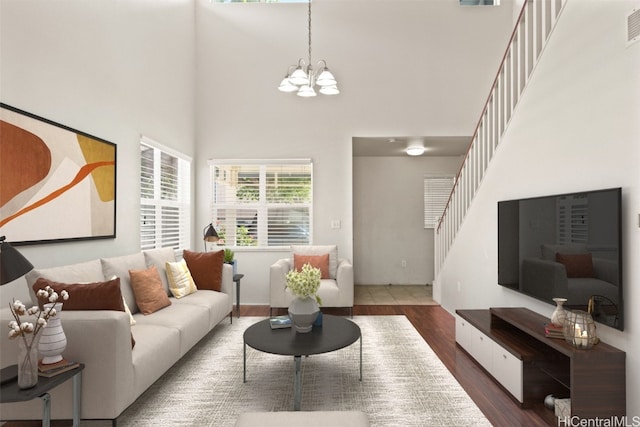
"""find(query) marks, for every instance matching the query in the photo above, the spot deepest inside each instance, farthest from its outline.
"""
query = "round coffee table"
(334, 334)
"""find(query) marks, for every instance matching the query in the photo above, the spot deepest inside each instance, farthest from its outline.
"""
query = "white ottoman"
(303, 418)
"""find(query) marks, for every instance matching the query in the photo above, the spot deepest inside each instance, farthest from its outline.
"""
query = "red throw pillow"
(205, 268)
(87, 296)
(577, 265)
(316, 261)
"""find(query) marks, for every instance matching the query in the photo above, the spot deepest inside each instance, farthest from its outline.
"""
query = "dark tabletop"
(334, 334)
(10, 392)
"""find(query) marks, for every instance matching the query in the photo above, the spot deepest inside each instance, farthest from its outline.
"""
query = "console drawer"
(507, 369)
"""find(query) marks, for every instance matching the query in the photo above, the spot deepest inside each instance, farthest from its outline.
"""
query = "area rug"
(404, 383)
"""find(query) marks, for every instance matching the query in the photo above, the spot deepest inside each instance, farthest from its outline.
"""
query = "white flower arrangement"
(305, 283)
(19, 328)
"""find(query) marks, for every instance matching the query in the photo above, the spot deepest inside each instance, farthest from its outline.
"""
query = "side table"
(236, 279)
(10, 392)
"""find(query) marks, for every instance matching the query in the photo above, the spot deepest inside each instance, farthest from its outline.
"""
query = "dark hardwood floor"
(437, 327)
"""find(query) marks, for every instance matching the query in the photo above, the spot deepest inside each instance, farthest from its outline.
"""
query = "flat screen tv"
(565, 246)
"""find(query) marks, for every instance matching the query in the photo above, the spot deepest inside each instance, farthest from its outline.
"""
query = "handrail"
(484, 109)
(536, 21)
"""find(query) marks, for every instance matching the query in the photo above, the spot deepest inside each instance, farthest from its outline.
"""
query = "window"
(436, 195)
(165, 202)
(262, 203)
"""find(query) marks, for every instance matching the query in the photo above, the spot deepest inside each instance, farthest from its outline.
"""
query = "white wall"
(390, 59)
(388, 212)
(576, 128)
(113, 69)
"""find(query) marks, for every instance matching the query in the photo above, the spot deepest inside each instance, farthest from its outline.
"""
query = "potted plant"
(229, 258)
(305, 307)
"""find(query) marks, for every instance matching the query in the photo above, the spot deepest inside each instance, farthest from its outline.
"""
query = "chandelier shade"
(303, 78)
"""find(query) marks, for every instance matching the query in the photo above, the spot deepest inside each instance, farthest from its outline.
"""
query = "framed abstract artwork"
(56, 183)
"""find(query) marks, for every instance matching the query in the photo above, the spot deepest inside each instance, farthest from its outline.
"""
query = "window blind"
(165, 205)
(436, 194)
(262, 203)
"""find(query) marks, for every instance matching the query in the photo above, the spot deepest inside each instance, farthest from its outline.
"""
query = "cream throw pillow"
(180, 281)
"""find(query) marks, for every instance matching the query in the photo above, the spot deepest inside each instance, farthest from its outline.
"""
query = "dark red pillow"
(87, 296)
(577, 265)
(205, 268)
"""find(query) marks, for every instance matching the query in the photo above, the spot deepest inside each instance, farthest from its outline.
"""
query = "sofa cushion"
(180, 281)
(205, 268)
(120, 266)
(320, 262)
(90, 271)
(148, 290)
(576, 265)
(332, 250)
(159, 257)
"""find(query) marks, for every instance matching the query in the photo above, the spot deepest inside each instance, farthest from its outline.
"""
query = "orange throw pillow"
(316, 261)
(148, 290)
(205, 268)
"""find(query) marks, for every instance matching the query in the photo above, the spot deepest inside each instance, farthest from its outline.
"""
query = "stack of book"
(553, 331)
(280, 322)
(53, 369)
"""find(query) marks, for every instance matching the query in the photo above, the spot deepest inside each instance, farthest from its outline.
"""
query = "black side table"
(10, 392)
(237, 278)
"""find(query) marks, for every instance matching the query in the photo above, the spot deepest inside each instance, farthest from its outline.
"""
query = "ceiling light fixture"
(302, 78)
(415, 151)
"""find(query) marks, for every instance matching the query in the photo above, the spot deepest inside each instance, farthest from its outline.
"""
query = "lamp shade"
(326, 78)
(286, 86)
(306, 91)
(210, 234)
(12, 264)
(329, 90)
(299, 77)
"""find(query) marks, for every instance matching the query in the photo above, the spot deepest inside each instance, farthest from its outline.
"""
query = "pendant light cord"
(309, 32)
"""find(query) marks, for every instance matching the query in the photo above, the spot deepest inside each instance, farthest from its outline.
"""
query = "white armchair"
(336, 291)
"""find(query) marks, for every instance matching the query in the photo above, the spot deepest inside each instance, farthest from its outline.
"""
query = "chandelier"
(303, 78)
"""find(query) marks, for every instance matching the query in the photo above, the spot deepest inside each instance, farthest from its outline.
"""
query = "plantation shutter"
(262, 203)
(165, 205)
(436, 194)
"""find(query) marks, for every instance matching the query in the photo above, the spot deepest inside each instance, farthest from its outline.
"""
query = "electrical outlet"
(404, 263)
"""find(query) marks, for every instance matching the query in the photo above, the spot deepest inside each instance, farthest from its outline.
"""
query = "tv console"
(510, 344)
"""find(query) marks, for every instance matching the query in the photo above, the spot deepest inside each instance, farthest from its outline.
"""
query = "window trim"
(259, 162)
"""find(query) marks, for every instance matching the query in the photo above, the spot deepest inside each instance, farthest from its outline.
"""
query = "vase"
(53, 340)
(559, 315)
(303, 313)
(28, 361)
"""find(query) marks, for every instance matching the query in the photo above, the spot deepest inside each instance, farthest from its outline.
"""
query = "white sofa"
(336, 291)
(115, 374)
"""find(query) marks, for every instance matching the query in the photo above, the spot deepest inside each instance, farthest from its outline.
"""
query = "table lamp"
(210, 235)
(12, 266)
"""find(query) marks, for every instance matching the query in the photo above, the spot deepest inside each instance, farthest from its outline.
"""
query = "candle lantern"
(579, 329)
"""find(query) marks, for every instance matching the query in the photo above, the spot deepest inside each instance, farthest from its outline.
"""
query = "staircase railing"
(535, 23)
